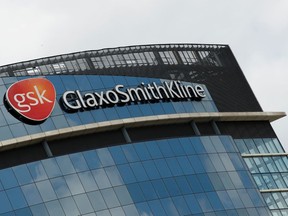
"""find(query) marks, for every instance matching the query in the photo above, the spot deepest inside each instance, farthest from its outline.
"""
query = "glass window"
(246, 179)
(60, 187)
(270, 164)
(22, 174)
(193, 204)
(148, 190)
(181, 205)
(31, 194)
(101, 178)
(24, 212)
(135, 192)
(39, 210)
(216, 181)
(226, 161)
(235, 198)
(79, 162)
(183, 185)
(236, 161)
(92, 159)
(196, 164)
(160, 188)
(140, 58)
(172, 186)
(185, 165)
(269, 181)
(87, 181)
(270, 145)
(156, 208)
(83, 204)
(97, 62)
(18, 130)
(198, 146)
(215, 201)
(114, 176)
(260, 181)
(5, 205)
(251, 146)
(37, 171)
(117, 154)
(16, 198)
(7, 178)
(54, 208)
(255, 197)
(32, 129)
(217, 163)
(188, 57)
(105, 61)
(46, 190)
(217, 144)
(163, 168)
(139, 171)
(150, 57)
(236, 180)
(279, 180)
(105, 157)
(110, 198)
(168, 57)
(130, 153)
(51, 168)
(65, 165)
(142, 151)
(130, 210)
(60, 121)
(117, 211)
(97, 200)
(123, 195)
(280, 164)
(74, 184)
(82, 83)
(47, 125)
(69, 206)
(127, 173)
(226, 180)
(83, 64)
(143, 209)
(225, 200)
(165, 148)
(278, 145)
(207, 164)
(69, 66)
(187, 145)
(154, 150)
(260, 145)
(169, 206)
(151, 169)
(203, 202)
(251, 165)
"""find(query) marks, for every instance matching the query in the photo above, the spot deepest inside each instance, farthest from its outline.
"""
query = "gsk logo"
(31, 100)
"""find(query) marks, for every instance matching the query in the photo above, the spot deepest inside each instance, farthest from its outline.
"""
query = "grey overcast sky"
(256, 31)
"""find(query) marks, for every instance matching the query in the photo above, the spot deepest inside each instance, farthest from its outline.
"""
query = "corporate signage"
(173, 90)
(32, 100)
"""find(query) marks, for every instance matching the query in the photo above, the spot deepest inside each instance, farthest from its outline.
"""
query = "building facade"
(143, 130)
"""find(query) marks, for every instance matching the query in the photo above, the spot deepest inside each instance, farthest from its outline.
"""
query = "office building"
(170, 129)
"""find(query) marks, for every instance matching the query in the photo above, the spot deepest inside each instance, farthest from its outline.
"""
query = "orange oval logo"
(33, 98)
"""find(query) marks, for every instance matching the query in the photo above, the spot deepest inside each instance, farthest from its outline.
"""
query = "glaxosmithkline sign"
(174, 90)
(32, 100)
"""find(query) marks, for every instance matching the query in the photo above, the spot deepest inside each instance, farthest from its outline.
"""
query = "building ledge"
(138, 122)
